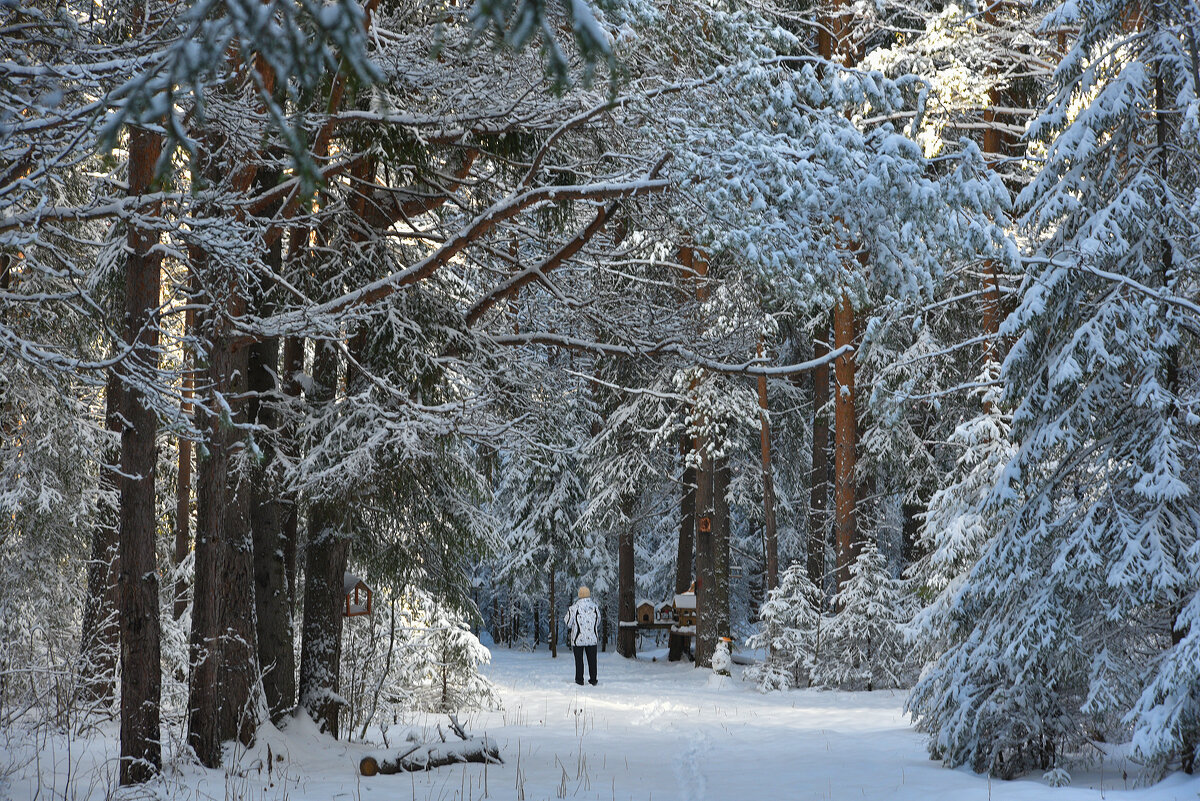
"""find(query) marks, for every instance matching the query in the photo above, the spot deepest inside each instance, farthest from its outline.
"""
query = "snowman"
(721, 660)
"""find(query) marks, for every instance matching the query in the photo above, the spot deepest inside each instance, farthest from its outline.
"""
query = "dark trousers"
(580, 650)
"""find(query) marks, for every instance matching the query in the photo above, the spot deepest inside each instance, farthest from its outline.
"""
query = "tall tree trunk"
(770, 536)
(719, 598)
(101, 634)
(224, 652)
(626, 594)
(271, 596)
(603, 627)
(100, 643)
(818, 503)
(141, 658)
(678, 643)
(552, 627)
(992, 152)
(845, 443)
(324, 568)
(293, 368)
(183, 484)
(267, 516)
(913, 514)
(706, 614)
(183, 494)
(1163, 113)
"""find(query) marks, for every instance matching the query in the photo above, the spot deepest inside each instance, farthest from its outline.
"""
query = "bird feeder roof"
(350, 581)
(685, 600)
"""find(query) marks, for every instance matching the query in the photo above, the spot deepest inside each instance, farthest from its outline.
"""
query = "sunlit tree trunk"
(845, 443)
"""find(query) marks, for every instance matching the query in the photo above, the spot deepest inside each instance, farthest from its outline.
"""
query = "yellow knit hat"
(584, 592)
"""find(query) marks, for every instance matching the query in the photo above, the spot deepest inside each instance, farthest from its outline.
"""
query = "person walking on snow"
(583, 632)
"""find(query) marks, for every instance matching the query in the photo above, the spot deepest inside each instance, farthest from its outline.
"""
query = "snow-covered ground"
(650, 730)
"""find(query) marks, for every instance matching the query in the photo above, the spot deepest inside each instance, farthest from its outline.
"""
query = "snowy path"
(661, 731)
(649, 731)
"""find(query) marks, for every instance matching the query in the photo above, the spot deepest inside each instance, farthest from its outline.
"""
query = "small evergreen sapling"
(445, 666)
(865, 645)
(790, 630)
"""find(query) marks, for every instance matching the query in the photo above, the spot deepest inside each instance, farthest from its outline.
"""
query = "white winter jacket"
(583, 622)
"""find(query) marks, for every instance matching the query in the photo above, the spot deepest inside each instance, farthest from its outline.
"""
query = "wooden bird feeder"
(358, 596)
(645, 612)
(685, 607)
(665, 612)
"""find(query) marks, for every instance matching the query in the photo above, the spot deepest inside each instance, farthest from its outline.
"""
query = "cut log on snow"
(427, 756)
(433, 755)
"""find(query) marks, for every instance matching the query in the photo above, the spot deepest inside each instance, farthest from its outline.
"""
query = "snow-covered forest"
(341, 342)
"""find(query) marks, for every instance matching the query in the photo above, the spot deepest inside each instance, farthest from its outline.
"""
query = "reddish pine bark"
(845, 443)
(141, 683)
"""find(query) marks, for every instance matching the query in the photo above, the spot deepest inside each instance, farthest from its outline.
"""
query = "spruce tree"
(1093, 565)
(865, 646)
(790, 629)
